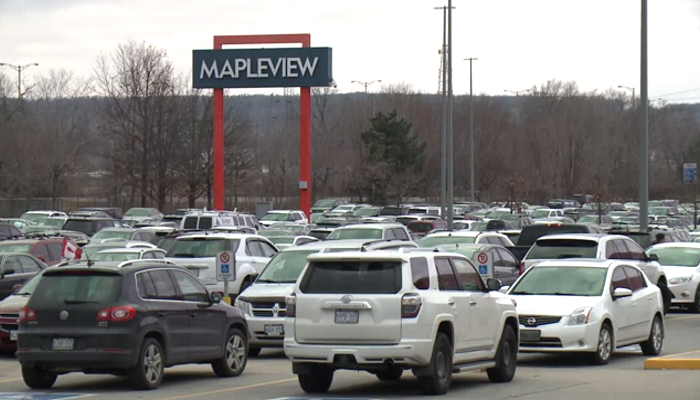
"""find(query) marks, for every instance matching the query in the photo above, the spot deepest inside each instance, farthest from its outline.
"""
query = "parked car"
(15, 270)
(681, 264)
(9, 312)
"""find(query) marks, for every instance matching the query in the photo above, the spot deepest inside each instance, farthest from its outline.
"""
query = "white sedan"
(588, 306)
(681, 263)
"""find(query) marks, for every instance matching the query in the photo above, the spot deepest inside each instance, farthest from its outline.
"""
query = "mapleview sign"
(260, 68)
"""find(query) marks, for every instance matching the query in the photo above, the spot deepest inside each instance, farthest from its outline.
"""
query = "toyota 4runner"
(386, 312)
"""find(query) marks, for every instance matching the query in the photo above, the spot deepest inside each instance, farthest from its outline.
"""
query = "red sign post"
(304, 121)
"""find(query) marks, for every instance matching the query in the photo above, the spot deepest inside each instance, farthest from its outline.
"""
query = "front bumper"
(683, 293)
(414, 352)
(258, 336)
(560, 338)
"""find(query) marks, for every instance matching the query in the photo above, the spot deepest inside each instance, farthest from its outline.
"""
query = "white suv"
(385, 312)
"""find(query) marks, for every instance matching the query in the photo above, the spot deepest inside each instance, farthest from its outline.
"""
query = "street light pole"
(443, 126)
(472, 163)
(450, 122)
(19, 69)
(367, 84)
(634, 97)
(644, 128)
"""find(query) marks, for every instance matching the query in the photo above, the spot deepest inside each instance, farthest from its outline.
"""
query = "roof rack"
(404, 250)
(133, 262)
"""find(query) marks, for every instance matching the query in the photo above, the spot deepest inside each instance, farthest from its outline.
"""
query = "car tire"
(666, 296)
(695, 307)
(440, 377)
(605, 347)
(318, 381)
(391, 374)
(235, 357)
(148, 373)
(254, 351)
(506, 357)
(38, 378)
(653, 345)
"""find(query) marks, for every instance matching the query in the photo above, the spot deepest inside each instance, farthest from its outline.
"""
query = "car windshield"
(118, 257)
(366, 212)
(324, 204)
(76, 287)
(356, 277)
(15, 248)
(138, 212)
(275, 217)
(562, 248)
(28, 288)
(433, 241)
(355, 233)
(199, 247)
(588, 219)
(33, 217)
(677, 256)
(273, 232)
(420, 226)
(53, 222)
(281, 239)
(112, 234)
(658, 211)
(84, 226)
(498, 214)
(540, 214)
(285, 267)
(561, 281)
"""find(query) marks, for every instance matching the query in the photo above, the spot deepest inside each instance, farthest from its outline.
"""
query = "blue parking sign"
(225, 268)
(483, 269)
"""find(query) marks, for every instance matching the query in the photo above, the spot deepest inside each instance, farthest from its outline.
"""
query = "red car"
(49, 250)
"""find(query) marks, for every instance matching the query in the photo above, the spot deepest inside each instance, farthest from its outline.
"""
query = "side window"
(503, 242)
(55, 250)
(164, 285)
(620, 250)
(389, 234)
(252, 248)
(42, 252)
(420, 273)
(190, 287)
(610, 250)
(158, 255)
(146, 288)
(268, 251)
(446, 275)
(636, 279)
(13, 263)
(619, 280)
(148, 255)
(507, 259)
(469, 278)
(190, 223)
(28, 265)
(635, 252)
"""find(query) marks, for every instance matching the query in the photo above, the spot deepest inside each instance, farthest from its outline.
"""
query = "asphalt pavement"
(268, 377)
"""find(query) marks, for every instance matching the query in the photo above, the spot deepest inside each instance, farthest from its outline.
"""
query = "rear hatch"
(554, 249)
(529, 234)
(350, 302)
(66, 304)
(197, 252)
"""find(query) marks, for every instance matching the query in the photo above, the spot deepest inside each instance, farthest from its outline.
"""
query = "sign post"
(484, 263)
(226, 271)
(690, 173)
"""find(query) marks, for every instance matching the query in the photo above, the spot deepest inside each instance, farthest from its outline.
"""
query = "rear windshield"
(355, 233)
(15, 248)
(199, 247)
(420, 226)
(197, 223)
(343, 277)
(76, 287)
(531, 233)
(562, 248)
(321, 235)
(433, 241)
(405, 220)
(81, 226)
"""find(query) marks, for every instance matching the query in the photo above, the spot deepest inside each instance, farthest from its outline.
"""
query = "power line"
(681, 92)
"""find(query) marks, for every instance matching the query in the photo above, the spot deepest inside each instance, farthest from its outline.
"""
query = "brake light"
(26, 314)
(116, 314)
(410, 305)
(291, 301)
(522, 267)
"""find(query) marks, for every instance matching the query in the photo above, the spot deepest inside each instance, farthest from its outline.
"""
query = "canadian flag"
(71, 251)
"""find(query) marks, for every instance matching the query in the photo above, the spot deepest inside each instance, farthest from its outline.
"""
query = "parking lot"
(542, 377)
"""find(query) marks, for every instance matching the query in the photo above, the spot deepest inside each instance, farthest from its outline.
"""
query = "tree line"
(135, 133)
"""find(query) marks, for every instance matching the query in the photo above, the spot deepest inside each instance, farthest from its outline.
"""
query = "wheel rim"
(507, 354)
(604, 344)
(441, 366)
(235, 352)
(152, 364)
(657, 335)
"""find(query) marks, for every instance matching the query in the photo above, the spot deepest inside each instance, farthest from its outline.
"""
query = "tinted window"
(55, 250)
(562, 248)
(29, 265)
(268, 251)
(253, 249)
(146, 288)
(405, 220)
(190, 287)
(531, 233)
(12, 263)
(469, 278)
(636, 279)
(165, 289)
(341, 277)
(420, 226)
(446, 275)
(40, 251)
(619, 280)
(68, 287)
(199, 247)
(420, 273)
(389, 234)
(190, 223)
(635, 252)
(84, 226)
(205, 223)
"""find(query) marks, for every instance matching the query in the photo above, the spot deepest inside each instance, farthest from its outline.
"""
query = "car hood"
(268, 290)
(552, 305)
(13, 303)
(673, 271)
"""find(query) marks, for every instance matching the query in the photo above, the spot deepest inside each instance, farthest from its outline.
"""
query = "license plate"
(530, 335)
(274, 330)
(62, 344)
(13, 336)
(347, 317)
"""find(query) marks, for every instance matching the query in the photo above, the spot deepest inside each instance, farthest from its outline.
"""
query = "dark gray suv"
(131, 319)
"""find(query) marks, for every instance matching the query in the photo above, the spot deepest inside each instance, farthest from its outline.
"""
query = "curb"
(674, 362)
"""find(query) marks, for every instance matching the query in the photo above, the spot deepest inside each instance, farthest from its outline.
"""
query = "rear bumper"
(77, 360)
(413, 353)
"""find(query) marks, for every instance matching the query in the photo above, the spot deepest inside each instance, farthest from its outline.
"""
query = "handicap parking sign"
(225, 269)
(483, 269)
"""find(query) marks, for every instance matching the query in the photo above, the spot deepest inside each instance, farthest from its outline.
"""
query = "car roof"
(380, 225)
(594, 237)
(281, 211)
(121, 250)
(220, 235)
(117, 229)
(457, 234)
(342, 243)
(677, 245)
(581, 262)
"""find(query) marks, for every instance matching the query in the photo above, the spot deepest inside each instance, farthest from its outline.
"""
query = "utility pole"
(19, 69)
(472, 164)
(450, 122)
(367, 84)
(443, 127)
(644, 129)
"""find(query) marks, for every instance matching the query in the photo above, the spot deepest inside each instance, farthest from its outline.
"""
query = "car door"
(483, 327)
(643, 298)
(458, 300)
(174, 316)
(623, 309)
(207, 328)
(510, 268)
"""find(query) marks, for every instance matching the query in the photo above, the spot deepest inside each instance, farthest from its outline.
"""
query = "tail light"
(27, 314)
(291, 301)
(410, 305)
(116, 314)
(522, 267)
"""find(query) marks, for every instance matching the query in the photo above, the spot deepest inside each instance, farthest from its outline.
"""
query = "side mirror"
(504, 289)
(493, 284)
(215, 298)
(653, 257)
(621, 292)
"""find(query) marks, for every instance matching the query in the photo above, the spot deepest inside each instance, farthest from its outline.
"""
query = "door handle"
(472, 302)
(450, 302)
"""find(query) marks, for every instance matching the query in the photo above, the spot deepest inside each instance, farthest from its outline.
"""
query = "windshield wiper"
(23, 294)
(69, 301)
(272, 281)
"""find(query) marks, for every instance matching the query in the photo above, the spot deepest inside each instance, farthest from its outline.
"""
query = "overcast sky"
(519, 43)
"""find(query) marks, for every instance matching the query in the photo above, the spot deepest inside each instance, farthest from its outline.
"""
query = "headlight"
(680, 279)
(244, 306)
(580, 316)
